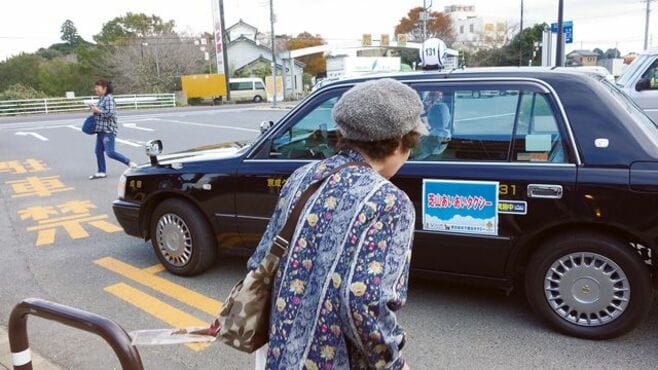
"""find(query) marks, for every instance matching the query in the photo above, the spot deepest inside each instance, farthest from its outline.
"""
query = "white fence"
(53, 105)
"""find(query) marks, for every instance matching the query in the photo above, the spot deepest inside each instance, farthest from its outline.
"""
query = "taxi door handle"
(543, 191)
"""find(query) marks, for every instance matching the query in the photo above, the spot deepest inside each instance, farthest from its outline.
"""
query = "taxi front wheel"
(182, 238)
(589, 286)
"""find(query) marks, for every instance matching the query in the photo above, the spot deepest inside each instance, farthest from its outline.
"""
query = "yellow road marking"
(154, 269)
(46, 237)
(155, 307)
(65, 221)
(105, 226)
(164, 286)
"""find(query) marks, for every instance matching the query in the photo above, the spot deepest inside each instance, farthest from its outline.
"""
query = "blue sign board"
(466, 207)
(567, 28)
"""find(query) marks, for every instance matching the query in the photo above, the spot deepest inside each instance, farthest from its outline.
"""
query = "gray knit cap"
(379, 110)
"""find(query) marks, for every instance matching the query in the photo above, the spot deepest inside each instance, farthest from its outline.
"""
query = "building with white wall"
(245, 53)
(475, 32)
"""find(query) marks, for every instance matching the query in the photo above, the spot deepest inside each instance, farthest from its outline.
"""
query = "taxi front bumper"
(127, 214)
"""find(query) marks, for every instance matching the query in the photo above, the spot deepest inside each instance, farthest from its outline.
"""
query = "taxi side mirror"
(643, 84)
(265, 126)
(153, 150)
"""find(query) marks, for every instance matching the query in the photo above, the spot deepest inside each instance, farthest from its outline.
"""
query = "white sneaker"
(98, 175)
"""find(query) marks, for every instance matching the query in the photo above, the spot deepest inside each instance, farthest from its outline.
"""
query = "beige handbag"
(244, 319)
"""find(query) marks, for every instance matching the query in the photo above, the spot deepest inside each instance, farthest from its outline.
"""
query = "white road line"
(484, 117)
(34, 134)
(76, 128)
(210, 125)
(134, 127)
(130, 118)
(128, 142)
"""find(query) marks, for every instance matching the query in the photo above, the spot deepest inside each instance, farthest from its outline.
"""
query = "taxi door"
(308, 134)
(498, 167)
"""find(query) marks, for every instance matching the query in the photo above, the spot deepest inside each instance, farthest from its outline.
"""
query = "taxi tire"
(636, 271)
(204, 246)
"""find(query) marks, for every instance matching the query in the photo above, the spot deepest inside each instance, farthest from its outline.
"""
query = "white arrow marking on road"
(42, 138)
(134, 127)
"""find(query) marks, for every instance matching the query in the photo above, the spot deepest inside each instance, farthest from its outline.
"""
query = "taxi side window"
(467, 124)
(652, 75)
(314, 136)
(537, 136)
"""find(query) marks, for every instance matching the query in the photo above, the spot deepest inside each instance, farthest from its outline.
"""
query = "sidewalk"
(38, 362)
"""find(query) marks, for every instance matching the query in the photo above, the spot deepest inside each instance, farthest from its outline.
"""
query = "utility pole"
(424, 15)
(646, 25)
(521, 37)
(224, 51)
(559, 59)
(273, 54)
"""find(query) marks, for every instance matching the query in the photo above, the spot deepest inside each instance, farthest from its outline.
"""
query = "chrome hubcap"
(174, 239)
(587, 289)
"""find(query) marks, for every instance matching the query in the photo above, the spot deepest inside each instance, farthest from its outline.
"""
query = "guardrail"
(54, 105)
(107, 329)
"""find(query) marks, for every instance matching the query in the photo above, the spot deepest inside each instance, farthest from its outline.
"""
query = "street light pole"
(273, 54)
(559, 59)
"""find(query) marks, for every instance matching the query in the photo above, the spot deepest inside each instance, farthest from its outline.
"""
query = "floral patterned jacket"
(345, 273)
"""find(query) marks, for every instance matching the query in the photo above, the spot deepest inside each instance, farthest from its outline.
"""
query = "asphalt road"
(98, 268)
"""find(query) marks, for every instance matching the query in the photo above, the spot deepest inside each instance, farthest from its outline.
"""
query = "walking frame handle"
(107, 329)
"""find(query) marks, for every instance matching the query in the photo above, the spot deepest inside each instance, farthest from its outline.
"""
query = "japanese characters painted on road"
(433, 53)
(465, 207)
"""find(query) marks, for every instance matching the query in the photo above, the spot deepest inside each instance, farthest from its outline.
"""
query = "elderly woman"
(345, 274)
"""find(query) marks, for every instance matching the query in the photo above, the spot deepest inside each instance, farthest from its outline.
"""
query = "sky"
(27, 25)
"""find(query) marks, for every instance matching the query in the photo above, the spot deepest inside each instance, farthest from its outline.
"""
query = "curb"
(5, 356)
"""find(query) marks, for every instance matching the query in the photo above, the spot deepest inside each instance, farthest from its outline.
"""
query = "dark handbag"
(89, 126)
(244, 320)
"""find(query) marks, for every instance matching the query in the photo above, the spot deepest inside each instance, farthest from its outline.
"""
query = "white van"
(247, 89)
(640, 82)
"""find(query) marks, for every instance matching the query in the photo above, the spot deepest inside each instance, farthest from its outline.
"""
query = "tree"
(508, 54)
(121, 30)
(612, 53)
(315, 63)
(23, 69)
(154, 64)
(439, 25)
(70, 33)
(599, 52)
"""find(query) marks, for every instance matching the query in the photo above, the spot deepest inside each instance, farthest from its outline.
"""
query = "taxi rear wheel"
(181, 238)
(589, 286)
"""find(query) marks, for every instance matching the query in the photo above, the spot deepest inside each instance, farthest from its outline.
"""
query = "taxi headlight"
(121, 186)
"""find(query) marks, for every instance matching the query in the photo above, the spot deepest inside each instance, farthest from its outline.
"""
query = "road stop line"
(163, 286)
(153, 306)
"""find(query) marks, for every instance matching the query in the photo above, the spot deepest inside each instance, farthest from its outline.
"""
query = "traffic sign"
(567, 28)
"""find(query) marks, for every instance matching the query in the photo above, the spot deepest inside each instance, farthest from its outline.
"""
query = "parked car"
(640, 82)
(551, 187)
(247, 89)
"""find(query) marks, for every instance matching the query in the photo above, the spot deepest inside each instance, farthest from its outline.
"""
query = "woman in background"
(106, 128)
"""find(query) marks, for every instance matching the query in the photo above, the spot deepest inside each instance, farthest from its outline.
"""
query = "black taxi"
(532, 178)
